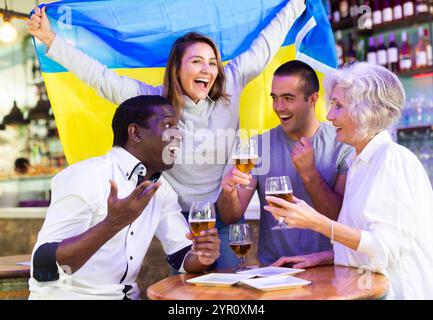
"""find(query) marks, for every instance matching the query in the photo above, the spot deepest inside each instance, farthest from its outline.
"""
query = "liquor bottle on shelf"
(344, 9)
(371, 52)
(386, 11)
(428, 46)
(353, 10)
(420, 51)
(351, 51)
(339, 45)
(336, 17)
(360, 50)
(408, 8)
(392, 54)
(377, 13)
(382, 54)
(421, 6)
(397, 10)
(405, 53)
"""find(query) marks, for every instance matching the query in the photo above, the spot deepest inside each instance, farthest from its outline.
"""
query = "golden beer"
(240, 248)
(198, 226)
(288, 196)
(245, 165)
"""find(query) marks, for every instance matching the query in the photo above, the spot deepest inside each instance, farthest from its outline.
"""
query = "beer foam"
(202, 220)
(271, 193)
(245, 157)
(236, 243)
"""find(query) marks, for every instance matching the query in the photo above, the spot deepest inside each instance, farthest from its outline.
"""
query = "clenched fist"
(39, 26)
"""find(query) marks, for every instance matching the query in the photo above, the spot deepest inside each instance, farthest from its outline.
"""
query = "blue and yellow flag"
(134, 39)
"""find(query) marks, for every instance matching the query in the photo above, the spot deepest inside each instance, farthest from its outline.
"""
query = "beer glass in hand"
(245, 157)
(240, 242)
(280, 187)
(201, 217)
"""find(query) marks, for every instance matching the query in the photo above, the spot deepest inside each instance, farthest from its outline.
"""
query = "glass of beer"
(245, 157)
(280, 187)
(240, 242)
(201, 217)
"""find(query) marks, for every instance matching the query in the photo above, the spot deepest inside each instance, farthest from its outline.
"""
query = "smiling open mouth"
(202, 82)
(173, 151)
(337, 129)
(285, 118)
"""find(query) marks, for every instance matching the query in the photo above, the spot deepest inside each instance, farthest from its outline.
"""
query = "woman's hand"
(307, 261)
(296, 215)
(39, 26)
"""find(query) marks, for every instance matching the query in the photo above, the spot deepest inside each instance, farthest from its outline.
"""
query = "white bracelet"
(332, 233)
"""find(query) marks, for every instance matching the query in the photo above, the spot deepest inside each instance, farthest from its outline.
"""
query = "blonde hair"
(172, 86)
(375, 95)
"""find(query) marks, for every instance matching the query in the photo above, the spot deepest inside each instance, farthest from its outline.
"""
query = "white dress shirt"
(79, 202)
(389, 197)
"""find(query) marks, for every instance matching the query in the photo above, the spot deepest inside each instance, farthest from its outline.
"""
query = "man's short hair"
(136, 110)
(307, 75)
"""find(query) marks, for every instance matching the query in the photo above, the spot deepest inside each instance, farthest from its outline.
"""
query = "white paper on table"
(276, 283)
(271, 271)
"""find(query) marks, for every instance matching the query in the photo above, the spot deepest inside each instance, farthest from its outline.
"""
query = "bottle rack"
(419, 141)
(351, 23)
(360, 36)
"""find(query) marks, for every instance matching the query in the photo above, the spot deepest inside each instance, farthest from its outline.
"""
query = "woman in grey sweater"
(205, 94)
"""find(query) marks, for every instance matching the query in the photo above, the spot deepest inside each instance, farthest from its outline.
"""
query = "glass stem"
(242, 262)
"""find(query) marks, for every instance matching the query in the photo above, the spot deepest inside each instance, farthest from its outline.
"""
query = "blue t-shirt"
(275, 151)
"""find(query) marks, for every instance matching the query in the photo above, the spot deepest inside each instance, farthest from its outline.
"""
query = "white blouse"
(389, 197)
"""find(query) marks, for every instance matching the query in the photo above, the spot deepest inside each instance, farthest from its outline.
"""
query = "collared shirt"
(389, 197)
(79, 202)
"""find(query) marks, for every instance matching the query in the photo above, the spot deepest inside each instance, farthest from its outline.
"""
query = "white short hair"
(375, 95)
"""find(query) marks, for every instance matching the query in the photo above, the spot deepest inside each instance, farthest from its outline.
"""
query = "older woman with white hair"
(386, 222)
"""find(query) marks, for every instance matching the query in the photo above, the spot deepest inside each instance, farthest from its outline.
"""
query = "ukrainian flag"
(134, 39)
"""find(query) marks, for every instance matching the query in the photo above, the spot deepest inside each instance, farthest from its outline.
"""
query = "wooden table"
(14, 278)
(328, 282)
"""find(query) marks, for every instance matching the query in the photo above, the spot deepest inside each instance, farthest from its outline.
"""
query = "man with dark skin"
(118, 219)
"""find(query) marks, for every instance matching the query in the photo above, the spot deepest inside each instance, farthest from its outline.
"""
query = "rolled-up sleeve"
(69, 214)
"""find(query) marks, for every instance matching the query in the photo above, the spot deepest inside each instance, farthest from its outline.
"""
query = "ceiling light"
(8, 34)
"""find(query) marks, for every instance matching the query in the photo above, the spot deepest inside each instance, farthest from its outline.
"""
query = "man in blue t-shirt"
(302, 148)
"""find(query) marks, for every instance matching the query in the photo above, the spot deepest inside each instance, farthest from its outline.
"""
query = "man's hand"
(206, 246)
(307, 261)
(39, 26)
(233, 177)
(122, 212)
(303, 157)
